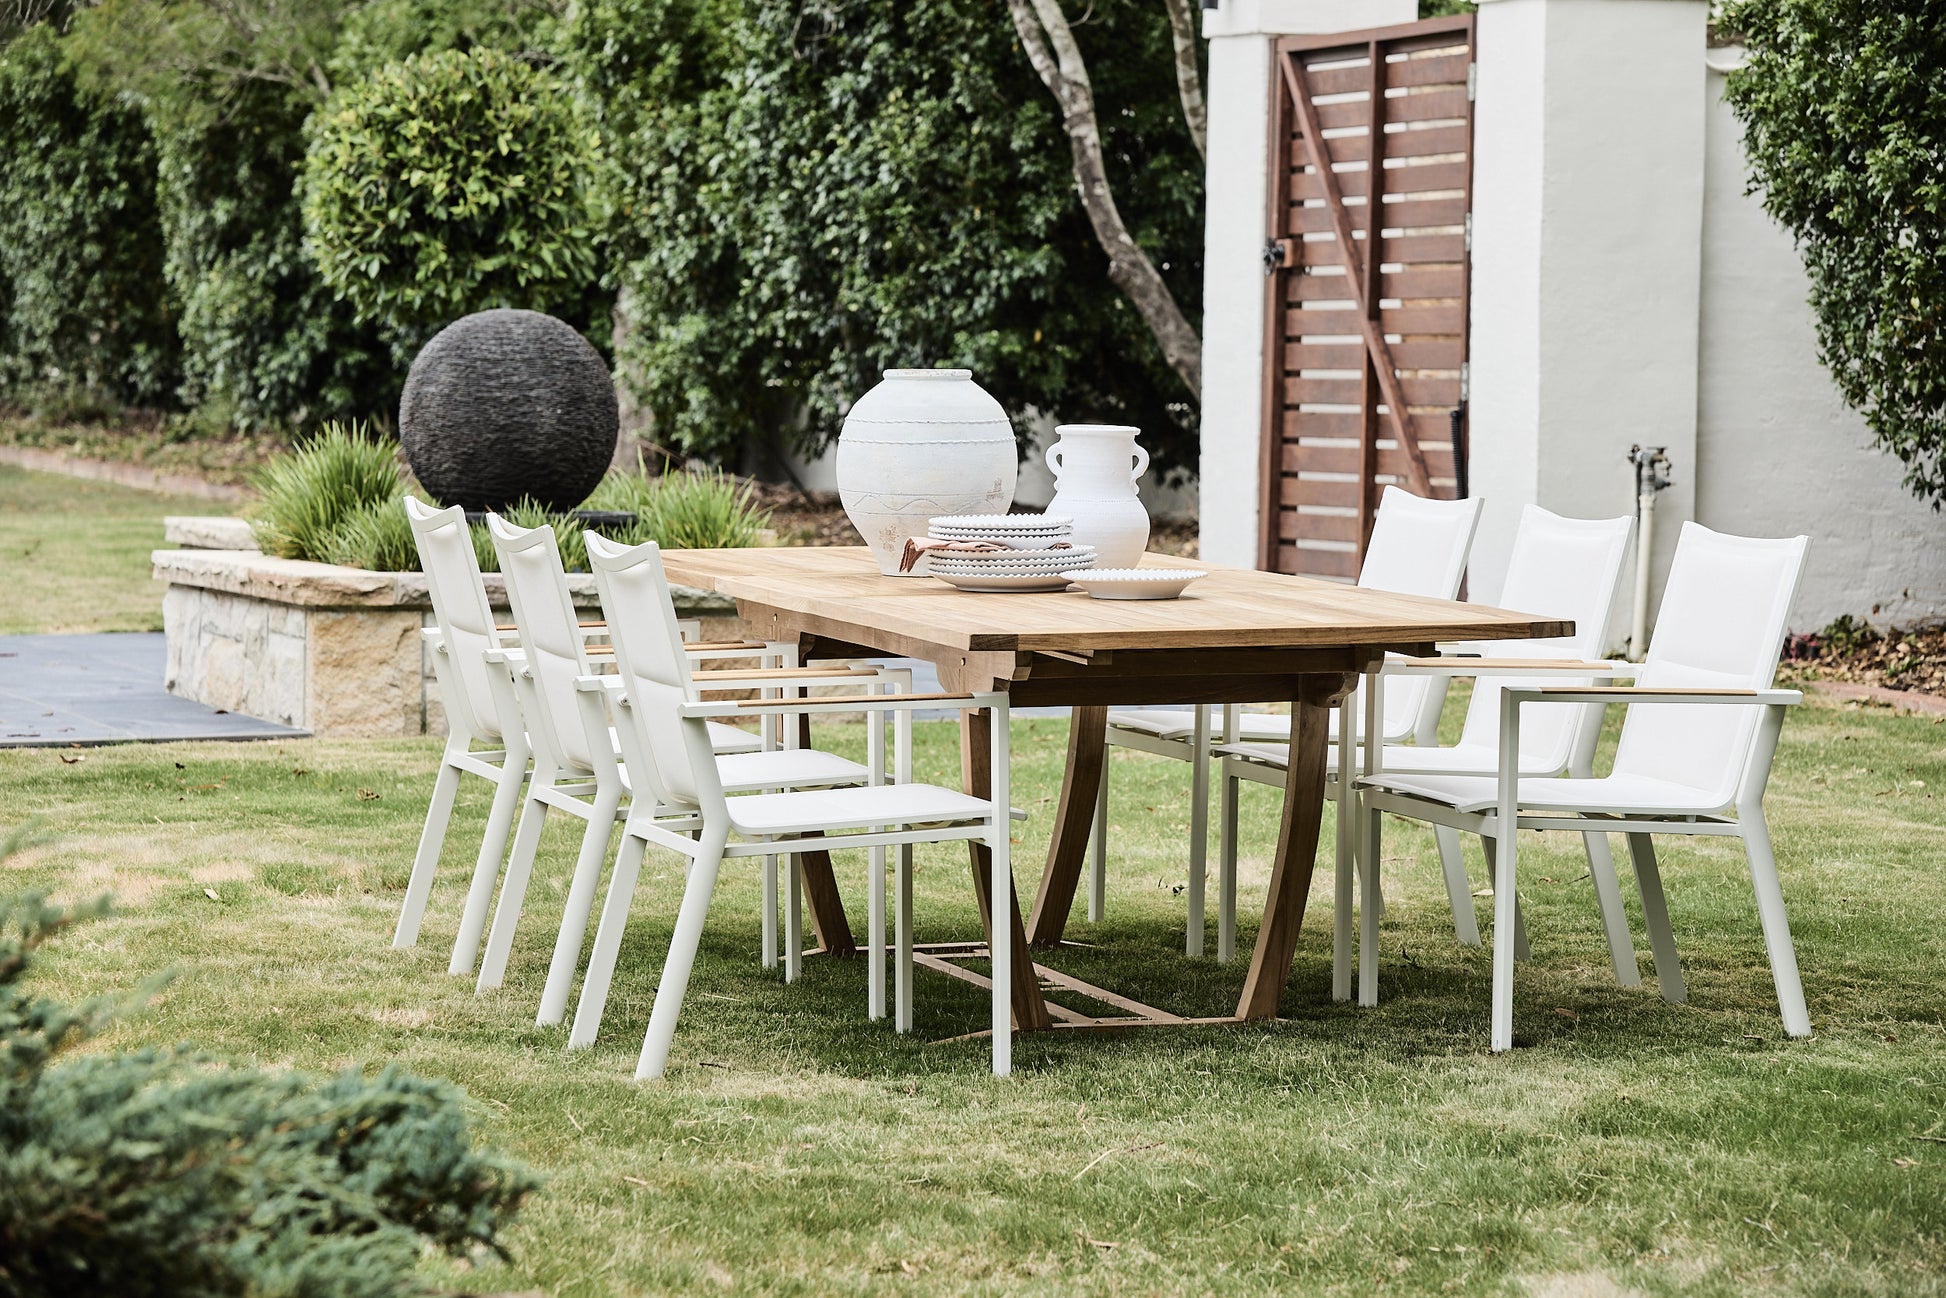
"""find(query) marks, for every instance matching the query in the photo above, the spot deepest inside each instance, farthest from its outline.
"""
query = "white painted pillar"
(1587, 225)
(1240, 33)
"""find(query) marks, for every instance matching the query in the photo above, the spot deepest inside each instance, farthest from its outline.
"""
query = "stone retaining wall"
(333, 650)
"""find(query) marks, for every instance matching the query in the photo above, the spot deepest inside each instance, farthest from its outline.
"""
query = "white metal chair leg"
(875, 935)
(1777, 929)
(682, 955)
(902, 923)
(1459, 889)
(1506, 919)
(1198, 831)
(1368, 912)
(1522, 951)
(513, 892)
(770, 912)
(1098, 874)
(1000, 886)
(794, 919)
(445, 788)
(582, 886)
(1655, 917)
(486, 868)
(1341, 891)
(1226, 877)
(608, 943)
(1608, 900)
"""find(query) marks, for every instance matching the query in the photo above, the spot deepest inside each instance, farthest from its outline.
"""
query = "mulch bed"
(1913, 659)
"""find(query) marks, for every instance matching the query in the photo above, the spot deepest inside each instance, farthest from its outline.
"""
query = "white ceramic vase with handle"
(1095, 467)
(921, 444)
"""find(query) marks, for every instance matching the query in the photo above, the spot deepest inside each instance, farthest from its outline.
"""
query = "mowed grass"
(76, 553)
(1627, 1145)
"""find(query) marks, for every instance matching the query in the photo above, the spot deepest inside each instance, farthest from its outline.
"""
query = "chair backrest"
(465, 619)
(1721, 626)
(1563, 568)
(641, 616)
(550, 636)
(1418, 547)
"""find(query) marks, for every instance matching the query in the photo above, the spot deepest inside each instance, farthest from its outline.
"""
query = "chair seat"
(1400, 759)
(1618, 794)
(856, 808)
(787, 768)
(728, 739)
(1163, 723)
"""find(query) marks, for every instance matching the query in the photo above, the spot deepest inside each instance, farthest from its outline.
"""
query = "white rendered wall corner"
(1240, 33)
(1587, 223)
(1779, 453)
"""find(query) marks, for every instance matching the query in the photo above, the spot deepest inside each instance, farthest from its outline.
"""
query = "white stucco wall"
(1779, 452)
(1587, 219)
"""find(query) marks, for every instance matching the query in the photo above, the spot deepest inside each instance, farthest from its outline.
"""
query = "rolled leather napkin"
(917, 546)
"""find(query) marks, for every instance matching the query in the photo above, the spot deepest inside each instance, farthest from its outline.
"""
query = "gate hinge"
(1278, 256)
(1466, 382)
(1472, 81)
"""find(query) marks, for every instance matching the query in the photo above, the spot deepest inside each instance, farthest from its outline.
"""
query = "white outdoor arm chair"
(1418, 547)
(469, 654)
(689, 813)
(577, 769)
(1694, 757)
(1565, 568)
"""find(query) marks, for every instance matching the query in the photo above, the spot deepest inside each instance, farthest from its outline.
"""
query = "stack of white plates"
(1021, 531)
(1031, 564)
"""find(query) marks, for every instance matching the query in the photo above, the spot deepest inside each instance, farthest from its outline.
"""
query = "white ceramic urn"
(1095, 467)
(921, 444)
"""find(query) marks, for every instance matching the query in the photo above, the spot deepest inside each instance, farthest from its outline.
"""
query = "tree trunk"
(637, 423)
(1041, 24)
(1189, 76)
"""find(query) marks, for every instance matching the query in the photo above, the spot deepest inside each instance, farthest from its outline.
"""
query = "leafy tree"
(165, 1172)
(80, 237)
(1843, 104)
(450, 183)
(808, 193)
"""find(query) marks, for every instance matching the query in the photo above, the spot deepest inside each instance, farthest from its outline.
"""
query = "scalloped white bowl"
(1135, 583)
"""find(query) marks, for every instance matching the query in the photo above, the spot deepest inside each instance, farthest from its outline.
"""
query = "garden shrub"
(309, 493)
(162, 1172)
(81, 248)
(1843, 104)
(805, 195)
(692, 510)
(447, 184)
(376, 536)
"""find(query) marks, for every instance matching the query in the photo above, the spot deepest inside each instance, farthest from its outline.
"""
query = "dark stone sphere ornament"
(503, 404)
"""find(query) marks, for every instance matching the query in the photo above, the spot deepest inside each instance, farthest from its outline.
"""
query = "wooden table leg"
(1074, 817)
(821, 886)
(1297, 844)
(976, 779)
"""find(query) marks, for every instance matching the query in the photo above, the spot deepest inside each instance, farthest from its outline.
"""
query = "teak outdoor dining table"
(1238, 636)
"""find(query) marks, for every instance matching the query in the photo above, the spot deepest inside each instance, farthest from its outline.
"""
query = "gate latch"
(1277, 256)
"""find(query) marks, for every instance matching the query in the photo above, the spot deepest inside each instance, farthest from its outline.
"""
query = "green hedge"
(80, 238)
(450, 183)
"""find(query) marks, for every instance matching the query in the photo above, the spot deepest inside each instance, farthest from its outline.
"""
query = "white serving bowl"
(1135, 583)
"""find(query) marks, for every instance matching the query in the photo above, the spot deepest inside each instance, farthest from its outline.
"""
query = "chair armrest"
(505, 657)
(849, 703)
(1637, 694)
(586, 628)
(724, 678)
(723, 648)
(432, 635)
(596, 684)
(1508, 667)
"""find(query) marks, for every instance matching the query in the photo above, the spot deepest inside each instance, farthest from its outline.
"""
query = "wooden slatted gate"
(1365, 356)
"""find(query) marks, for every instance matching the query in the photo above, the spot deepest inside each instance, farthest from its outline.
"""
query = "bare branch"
(1189, 75)
(1051, 48)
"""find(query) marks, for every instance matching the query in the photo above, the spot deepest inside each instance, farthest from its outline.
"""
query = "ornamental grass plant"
(310, 493)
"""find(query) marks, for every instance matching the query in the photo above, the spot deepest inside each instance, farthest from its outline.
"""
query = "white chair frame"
(688, 813)
(1143, 731)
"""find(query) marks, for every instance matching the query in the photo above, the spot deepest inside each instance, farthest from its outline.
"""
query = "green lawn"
(1628, 1145)
(76, 553)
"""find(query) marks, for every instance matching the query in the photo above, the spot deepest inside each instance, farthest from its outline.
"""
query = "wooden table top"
(1230, 608)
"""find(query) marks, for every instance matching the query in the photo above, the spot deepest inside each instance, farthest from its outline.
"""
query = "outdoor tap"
(1651, 476)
